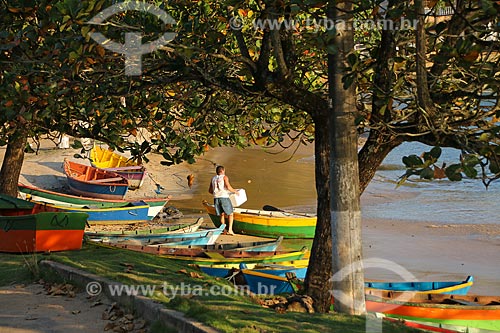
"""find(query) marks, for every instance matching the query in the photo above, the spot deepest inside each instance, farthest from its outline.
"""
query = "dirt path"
(35, 308)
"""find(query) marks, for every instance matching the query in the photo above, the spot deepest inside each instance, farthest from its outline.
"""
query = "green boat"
(270, 224)
(33, 193)
(26, 227)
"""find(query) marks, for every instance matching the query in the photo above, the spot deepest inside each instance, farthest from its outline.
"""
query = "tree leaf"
(412, 161)
(453, 172)
(470, 171)
(427, 173)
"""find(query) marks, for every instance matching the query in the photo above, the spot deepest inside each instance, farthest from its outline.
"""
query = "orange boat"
(27, 227)
(462, 313)
(93, 182)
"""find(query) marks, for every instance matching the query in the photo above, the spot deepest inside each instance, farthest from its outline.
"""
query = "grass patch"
(225, 312)
(18, 268)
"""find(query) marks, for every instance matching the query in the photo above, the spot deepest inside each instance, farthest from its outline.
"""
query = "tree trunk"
(424, 101)
(348, 278)
(12, 164)
(318, 279)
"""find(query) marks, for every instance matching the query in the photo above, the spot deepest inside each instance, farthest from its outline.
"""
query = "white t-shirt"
(220, 190)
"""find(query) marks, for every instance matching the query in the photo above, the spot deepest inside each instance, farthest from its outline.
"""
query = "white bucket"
(64, 144)
(237, 199)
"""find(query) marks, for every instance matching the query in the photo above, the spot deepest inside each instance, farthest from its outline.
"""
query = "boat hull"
(213, 258)
(427, 309)
(62, 199)
(136, 212)
(42, 232)
(155, 242)
(101, 191)
(264, 224)
(92, 182)
(151, 235)
(135, 178)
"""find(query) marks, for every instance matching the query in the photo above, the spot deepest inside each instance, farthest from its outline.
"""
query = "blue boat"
(266, 283)
(251, 246)
(33, 193)
(134, 212)
(278, 270)
(274, 280)
(428, 287)
(260, 282)
(170, 239)
(93, 182)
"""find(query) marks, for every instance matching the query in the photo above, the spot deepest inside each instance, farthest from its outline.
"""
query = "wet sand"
(425, 249)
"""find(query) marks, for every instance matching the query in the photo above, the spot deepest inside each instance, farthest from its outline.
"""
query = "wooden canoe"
(33, 193)
(210, 257)
(464, 313)
(93, 182)
(27, 228)
(275, 281)
(269, 245)
(135, 212)
(140, 230)
(109, 160)
(183, 230)
(430, 287)
(268, 223)
(277, 270)
(199, 237)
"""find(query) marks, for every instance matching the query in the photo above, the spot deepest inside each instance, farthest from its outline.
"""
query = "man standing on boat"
(221, 188)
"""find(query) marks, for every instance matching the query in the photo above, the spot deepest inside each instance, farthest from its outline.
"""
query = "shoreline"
(428, 250)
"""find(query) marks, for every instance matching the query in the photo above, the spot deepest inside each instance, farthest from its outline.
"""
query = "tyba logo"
(133, 48)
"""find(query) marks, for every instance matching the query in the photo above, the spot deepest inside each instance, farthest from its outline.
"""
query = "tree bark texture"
(318, 280)
(345, 211)
(12, 164)
(424, 101)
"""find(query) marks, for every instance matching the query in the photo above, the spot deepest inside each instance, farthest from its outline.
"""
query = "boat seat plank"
(106, 180)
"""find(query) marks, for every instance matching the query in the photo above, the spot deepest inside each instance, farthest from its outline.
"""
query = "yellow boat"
(125, 167)
(268, 223)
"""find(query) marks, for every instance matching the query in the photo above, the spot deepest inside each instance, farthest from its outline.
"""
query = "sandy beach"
(424, 249)
(394, 249)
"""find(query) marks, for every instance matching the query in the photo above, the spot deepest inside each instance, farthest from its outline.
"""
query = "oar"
(270, 208)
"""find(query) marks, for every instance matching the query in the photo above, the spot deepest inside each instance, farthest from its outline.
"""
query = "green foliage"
(425, 167)
(214, 85)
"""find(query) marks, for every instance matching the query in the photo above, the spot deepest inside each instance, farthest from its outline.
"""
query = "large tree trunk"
(12, 164)
(318, 280)
(348, 278)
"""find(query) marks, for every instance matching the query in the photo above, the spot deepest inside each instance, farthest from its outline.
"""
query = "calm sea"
(442, 201)
(287, 181)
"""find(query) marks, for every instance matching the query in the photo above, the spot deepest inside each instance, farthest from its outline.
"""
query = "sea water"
(442, 201)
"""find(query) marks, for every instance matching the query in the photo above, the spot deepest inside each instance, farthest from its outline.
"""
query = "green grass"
(226, 313)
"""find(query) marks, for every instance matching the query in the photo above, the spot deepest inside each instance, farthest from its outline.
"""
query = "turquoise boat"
(429, 287)
(275, 280)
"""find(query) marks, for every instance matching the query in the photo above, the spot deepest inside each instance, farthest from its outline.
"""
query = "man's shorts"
(223, 205)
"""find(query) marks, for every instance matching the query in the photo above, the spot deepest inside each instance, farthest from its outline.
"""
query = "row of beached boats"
(43, 220)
